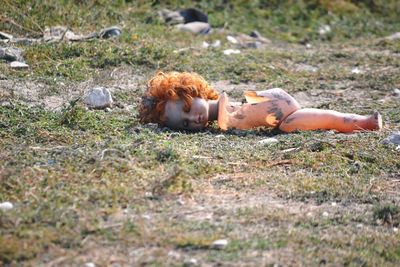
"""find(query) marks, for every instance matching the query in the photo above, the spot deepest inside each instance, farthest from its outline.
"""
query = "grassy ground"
(95, 186)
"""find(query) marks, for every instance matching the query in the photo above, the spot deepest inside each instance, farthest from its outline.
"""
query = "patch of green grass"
(387, 214)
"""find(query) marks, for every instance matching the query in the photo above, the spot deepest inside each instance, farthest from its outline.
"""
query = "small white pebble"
(308, 46)
(205, 44)
(216, 44)
(334, 204)
(232, 39)
(6, 206)
(268, 141)
(325, 214)
(356, 71)
(309, 214)
(18, 65)
(219, 244)
(90, 264)
(174, 254)
(395, 229)
(190, 262)
(180, 202)
(360, 225)
(231, 51)
(324, 29)
(220, 136)
(146, 216)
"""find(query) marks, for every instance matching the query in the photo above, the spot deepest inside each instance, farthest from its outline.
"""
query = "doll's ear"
(252, 97)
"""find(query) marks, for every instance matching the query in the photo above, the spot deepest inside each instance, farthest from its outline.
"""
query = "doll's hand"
(271, 120)
(223, 114)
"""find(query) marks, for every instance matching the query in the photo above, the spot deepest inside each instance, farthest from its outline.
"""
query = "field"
(96, 187)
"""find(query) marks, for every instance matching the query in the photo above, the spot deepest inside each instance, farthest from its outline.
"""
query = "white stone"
(334, 204)
(6, 206)
(18, 65)
(220, 136)
(146, 216)
(180, 202)
(191, 262)
(219, 244)
(396, 93)
(99, 97)
(216, 44)
(173, 254)
(205, 44)
(268, 141)
(360, 225)
(90, 264)
(324, 29)
(356, 70)
(394, 36)
(325, 214)
(232, 39)
(395, 229)
(308, 46)
(231, 51)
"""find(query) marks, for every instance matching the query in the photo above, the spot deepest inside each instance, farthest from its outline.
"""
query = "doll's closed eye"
(185, 123)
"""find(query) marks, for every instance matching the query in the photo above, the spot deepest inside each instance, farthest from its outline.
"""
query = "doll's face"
(195, 119)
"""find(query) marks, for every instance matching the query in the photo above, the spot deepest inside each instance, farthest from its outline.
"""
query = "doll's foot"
(374, 121)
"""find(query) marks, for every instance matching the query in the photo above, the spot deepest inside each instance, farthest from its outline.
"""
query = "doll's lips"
(200, 119)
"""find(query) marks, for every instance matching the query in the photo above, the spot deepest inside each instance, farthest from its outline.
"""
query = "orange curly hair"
(172, 86)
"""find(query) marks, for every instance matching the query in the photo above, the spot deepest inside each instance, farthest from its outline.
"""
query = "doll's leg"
(315, 119)
(267, 108)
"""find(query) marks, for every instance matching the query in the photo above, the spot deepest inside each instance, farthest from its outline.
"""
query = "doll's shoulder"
(265, 95)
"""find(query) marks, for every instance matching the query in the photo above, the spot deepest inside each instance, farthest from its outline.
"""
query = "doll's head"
(177, 100)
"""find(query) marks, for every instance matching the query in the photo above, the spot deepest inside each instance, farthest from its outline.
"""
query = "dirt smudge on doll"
(282, 96)
(239, 116)
(348, 119)
(276, 110)
(289, 120)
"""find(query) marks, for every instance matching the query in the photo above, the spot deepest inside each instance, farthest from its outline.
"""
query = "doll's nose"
(197, 119)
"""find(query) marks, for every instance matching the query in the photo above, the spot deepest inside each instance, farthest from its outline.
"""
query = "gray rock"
(393, 139)
(195, 27)
(98, 98)
(110, 32)
(182, 16)
(11, 54)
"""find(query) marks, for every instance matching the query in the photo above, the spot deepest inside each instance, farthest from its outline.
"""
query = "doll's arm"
(315, 119)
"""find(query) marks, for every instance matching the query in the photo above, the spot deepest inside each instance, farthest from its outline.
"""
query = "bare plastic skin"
(276, 108)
